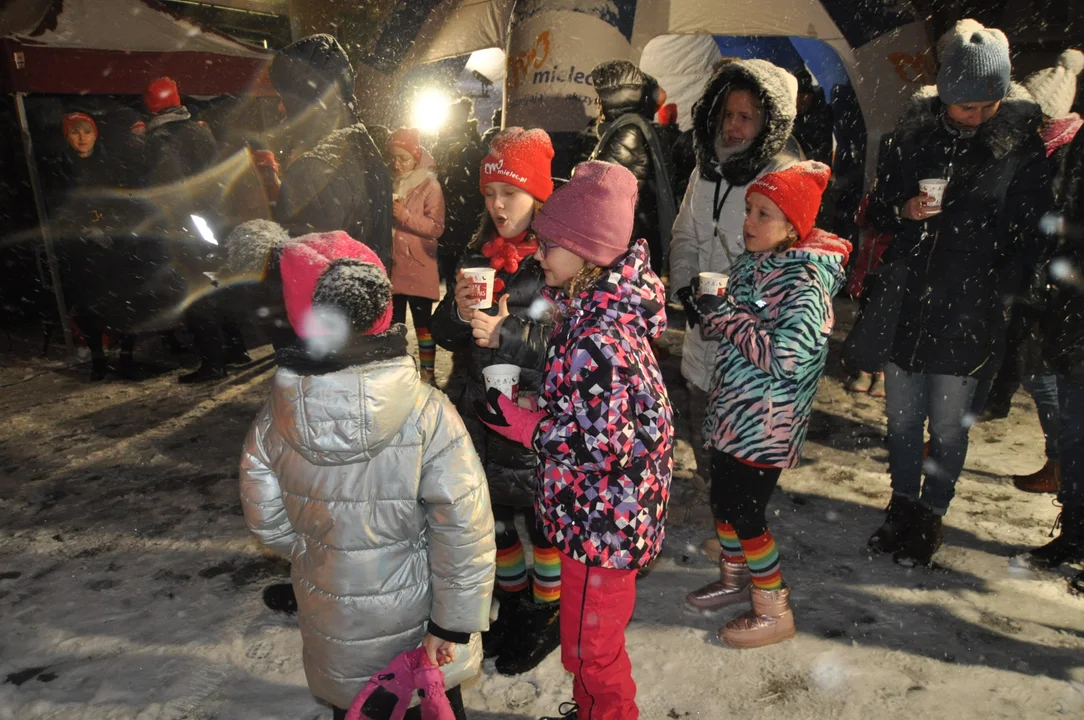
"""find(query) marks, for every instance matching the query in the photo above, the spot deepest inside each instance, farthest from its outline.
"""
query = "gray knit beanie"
(975, 64)
(1055, 88)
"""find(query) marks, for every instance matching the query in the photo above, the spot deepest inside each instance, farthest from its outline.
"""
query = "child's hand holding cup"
(505, 378)
(480, 281)
(713, 283)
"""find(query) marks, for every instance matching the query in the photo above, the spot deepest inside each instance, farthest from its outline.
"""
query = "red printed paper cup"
(503, 377)
(712, 283)
(481, 278)
(935, 189)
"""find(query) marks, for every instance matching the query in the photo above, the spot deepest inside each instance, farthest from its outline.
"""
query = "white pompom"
(1072, 60)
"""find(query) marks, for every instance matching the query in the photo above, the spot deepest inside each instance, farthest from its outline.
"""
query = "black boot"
(537, 634)
(507, 621)
(98, 367)
(280, 598)
(205, 373)
(922, 540)
(236, 356)
(128, 368)
(899, 515)
(1068, 546)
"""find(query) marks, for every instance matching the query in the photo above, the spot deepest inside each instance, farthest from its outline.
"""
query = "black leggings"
(740, 494)
(507, 535)
(421, 310)
(455, 699)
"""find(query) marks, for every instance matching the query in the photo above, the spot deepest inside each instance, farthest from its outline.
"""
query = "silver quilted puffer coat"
(367, 481)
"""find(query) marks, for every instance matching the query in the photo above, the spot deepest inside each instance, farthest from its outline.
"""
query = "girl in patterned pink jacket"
(603, 430)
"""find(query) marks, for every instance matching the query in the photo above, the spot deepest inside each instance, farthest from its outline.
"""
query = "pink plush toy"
(388, 693)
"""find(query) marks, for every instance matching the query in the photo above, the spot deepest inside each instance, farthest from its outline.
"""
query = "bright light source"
(204, 229)
(430, 111)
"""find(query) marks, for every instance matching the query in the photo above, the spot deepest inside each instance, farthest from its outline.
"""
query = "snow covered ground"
(129, 587)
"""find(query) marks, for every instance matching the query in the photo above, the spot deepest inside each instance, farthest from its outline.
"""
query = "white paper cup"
(503, 377)
(482, 291)
(935, 188)
(712, 283)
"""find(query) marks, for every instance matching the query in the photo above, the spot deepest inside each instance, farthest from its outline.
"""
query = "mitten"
(708, 305)
(389, 692)
(506, 418)
(429, 681)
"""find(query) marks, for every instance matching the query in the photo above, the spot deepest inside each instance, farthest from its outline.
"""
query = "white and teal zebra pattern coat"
(773, 334)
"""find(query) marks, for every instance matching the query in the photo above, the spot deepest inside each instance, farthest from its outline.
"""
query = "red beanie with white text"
(521, 158)
(797, 191)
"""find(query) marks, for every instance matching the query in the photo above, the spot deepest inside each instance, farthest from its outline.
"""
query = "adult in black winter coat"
(962, 261)
(458, 154)
(1064, 350)
(813, 126)
(624, 89)
(335, 178)
(176, 147)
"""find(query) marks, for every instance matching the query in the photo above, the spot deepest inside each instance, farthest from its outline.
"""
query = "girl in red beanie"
(418, 212)
(603, 429)
(515, 180)
(773, 325)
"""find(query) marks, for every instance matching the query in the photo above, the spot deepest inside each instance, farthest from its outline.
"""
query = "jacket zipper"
(927, 288)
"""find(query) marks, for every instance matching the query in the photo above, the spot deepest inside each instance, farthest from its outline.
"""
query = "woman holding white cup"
(496, 316)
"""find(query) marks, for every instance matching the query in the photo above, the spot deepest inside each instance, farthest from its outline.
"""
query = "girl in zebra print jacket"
(773, 324)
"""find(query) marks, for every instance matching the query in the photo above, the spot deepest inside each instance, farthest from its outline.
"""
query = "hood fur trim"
(778, 96)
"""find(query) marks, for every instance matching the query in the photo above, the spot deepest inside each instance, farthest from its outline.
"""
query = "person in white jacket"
(741, 130)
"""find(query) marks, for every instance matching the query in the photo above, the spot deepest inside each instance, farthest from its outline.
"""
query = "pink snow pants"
(596, 606)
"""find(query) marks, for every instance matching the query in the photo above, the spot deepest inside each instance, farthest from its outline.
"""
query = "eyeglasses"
(544, 245)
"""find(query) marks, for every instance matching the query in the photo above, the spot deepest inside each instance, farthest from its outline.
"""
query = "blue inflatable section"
(790, 53)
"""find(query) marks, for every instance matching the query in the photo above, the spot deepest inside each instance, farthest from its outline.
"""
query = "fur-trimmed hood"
(778, 92)
(1018, 117)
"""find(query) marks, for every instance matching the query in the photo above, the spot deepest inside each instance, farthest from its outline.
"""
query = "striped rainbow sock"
(763, 559)
(728, 538)
(546, 575)
(427, 350)
(511, 567)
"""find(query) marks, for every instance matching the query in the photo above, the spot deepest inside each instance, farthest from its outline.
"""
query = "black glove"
(710, 304)
(687, 296)
(490, 412)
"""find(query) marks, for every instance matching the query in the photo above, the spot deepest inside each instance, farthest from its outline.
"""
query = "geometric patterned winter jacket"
(606, 443)
(775, 328)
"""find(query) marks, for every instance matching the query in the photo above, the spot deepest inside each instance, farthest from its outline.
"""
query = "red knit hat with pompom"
(408, 139)
(521, 158)
(797, 191)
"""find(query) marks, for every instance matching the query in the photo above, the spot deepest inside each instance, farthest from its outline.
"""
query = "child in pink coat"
(418, 212)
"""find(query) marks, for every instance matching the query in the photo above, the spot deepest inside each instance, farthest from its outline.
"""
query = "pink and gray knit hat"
(333, 270)
(592, 214)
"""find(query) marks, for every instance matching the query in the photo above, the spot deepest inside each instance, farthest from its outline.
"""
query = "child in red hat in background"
(365, 478)
(515, 180)
(604, 428)
(418, 212)
(773, 321)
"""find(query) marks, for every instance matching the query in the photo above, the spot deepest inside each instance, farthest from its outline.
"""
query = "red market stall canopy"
(114, 47)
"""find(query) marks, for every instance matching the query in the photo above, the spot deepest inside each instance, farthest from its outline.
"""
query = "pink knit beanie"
(592, 214)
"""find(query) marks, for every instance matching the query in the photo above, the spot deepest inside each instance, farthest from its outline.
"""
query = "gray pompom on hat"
(975, 65)
(1054, 88)
(358, 289)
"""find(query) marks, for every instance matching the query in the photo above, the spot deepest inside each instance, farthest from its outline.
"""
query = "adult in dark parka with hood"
(963, 261)
(335, 178)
